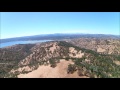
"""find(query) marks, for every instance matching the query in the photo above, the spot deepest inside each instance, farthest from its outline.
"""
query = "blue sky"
(17, 24)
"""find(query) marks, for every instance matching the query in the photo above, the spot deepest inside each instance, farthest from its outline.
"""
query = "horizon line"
(58, 33)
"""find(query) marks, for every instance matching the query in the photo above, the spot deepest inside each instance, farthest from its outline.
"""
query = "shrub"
(53, 63)
(71, 68)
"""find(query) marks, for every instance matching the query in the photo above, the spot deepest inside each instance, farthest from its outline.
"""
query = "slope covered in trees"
(87, 62)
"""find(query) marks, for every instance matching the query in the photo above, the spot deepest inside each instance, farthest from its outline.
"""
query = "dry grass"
(60, 71)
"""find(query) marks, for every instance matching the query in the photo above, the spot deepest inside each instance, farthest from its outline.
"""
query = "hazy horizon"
(55, 33)
(19, 24)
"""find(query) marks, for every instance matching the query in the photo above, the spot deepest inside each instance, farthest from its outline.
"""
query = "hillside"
(46, 71)
(104, 46)
(11, 56)
(31, 59)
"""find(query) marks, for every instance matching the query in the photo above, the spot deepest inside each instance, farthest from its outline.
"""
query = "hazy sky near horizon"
(17, 24)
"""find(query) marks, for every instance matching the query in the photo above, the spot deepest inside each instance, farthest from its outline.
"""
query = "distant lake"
(21, 42)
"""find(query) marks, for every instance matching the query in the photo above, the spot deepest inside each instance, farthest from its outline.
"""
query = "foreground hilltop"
(56, 59)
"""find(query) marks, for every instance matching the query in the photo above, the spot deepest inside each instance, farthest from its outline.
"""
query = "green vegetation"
(97, 66)
(9, 58)
(101, 65)
(71, 68)
(54, 61)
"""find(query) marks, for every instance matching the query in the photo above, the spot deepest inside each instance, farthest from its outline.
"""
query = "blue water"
(21, 42)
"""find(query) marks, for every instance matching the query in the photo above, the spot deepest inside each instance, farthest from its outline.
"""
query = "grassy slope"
(100, 65)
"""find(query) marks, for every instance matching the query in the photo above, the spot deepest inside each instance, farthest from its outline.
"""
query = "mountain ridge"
(60, 36)
(85, 62)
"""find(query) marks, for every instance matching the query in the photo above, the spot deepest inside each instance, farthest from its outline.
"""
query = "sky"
(17, 24)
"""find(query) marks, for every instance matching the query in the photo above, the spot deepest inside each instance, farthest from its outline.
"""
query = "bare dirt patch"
(60, 71)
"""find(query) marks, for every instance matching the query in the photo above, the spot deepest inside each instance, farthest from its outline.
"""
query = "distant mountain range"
(59, 36)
